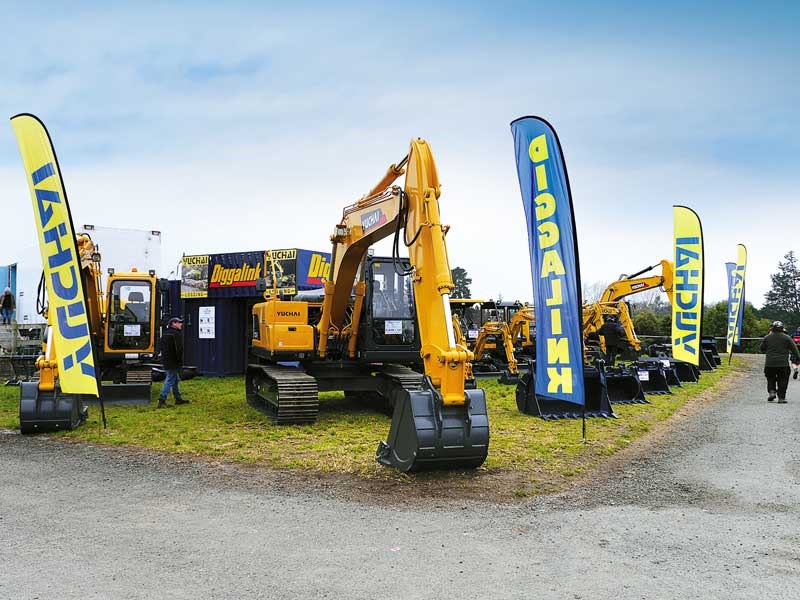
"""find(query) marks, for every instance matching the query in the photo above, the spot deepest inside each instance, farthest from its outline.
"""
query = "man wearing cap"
(778, 347)
(172, 359)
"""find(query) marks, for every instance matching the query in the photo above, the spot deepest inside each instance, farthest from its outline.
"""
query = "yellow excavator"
(380, 319)
(505, 329)
(123, 324)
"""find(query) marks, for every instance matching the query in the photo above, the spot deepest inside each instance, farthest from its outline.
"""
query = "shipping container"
(219, 291)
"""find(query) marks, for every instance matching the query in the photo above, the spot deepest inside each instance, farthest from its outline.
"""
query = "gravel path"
(710, 512)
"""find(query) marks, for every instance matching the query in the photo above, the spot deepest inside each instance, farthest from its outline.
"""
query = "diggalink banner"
(67, 316)
(554, 260)
(736, 273)
(687, 304)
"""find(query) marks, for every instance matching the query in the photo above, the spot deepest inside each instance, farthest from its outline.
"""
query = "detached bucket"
(670, 369)
(687, 372)
(42, 412)
(595, 397)
(653, 378)
(425, 435)
(508, 378)
(624, 386)
(707, 362)
(710, 344)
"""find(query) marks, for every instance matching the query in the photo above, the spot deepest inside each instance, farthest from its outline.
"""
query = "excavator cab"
(129, 339)
(388, 330)
(130, 315)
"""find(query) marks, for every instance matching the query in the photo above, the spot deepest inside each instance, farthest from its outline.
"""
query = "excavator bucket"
(596, 398)
(707, 361)
(709, 345)
(43, 412)
(624, 386)
(508, 378)
(653, 378)
(686, 372)
(426, 435)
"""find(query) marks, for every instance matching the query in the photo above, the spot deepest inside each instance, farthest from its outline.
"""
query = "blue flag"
(554, 260)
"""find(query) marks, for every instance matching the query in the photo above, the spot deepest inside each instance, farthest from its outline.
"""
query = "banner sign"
(194, 276)
(280, 271)
(315, 265)
(67, 315)
(736, 298)
(687, 305)
(554, 260)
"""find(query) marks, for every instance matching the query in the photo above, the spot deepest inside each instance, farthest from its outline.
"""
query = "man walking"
(172, 360)
(778, 346)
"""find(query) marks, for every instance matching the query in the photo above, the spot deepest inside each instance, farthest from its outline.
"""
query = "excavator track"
(290, 394)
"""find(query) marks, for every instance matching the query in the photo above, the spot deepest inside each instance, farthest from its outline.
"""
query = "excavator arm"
(411, 213)
(633, 284)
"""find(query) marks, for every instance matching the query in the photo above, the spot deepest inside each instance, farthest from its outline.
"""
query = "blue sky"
(236, 126)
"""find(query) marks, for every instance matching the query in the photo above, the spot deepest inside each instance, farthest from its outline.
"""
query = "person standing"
(172, 360)
(613, 335)
(7, 306)
(778, 347)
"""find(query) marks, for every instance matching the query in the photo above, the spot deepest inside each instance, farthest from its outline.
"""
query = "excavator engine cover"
(595, 398)
(426, 435)
(624, 386)
(42, 412)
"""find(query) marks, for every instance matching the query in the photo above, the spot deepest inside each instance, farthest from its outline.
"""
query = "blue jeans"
(6, 314)
(171, 380)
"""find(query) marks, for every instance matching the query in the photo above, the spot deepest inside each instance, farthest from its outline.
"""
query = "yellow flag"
(736, 299)
(687, 305)
(62, 271)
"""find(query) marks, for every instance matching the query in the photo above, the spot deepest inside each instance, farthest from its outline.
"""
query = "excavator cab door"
(130, 317)
(389, 330)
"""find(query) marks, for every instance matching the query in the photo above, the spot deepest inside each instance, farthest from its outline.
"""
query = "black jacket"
(172, 348)
(778, 346)
(7, 301)
(612, 333)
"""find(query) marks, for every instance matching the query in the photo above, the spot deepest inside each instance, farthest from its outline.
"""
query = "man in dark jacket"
(7, 306)
(614, 337)
(172, 360)
(778, 347)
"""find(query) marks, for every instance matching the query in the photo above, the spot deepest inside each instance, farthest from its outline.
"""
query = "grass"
(220, 424)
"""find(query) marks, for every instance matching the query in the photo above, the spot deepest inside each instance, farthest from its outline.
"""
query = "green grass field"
(219, 423)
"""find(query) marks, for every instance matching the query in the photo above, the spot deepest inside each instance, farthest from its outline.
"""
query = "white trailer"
(120, 249)
(125, 249)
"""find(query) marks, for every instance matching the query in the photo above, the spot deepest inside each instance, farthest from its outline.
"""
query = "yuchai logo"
(373, 219)
(235, 277)
(288, 313)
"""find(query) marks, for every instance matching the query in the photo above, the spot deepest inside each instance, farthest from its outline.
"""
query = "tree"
(462, 283)
(783, 299)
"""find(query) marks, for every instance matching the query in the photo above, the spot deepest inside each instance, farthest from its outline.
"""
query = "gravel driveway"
(710, 510)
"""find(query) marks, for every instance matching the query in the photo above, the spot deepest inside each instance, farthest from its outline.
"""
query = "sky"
(244, 126)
